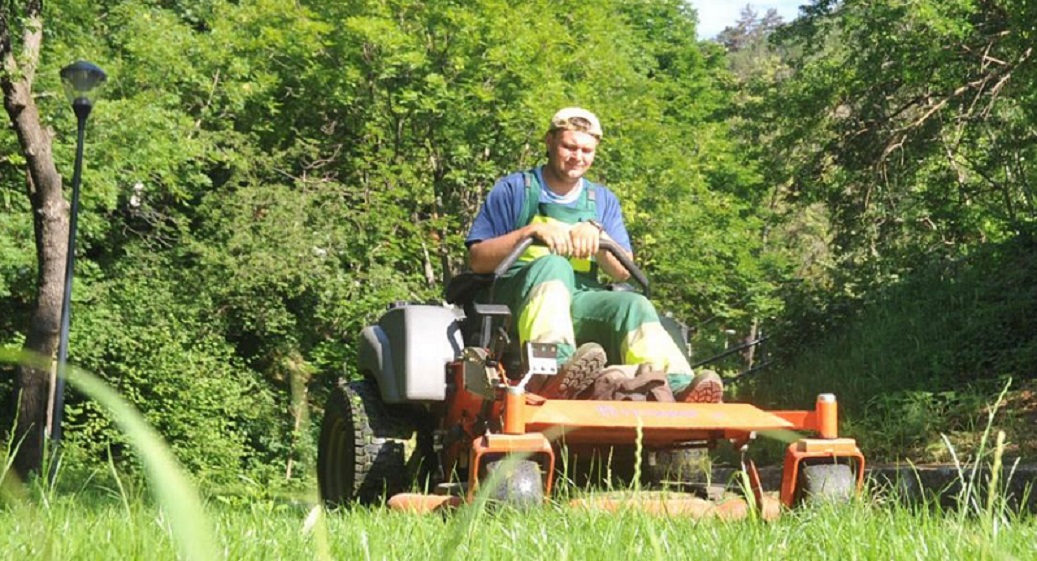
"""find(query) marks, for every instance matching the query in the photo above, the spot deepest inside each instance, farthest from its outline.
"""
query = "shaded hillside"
(923, 356)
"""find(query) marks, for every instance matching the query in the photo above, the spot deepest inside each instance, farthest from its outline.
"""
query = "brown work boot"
(705, 387)
(577, 374)
(617, 384)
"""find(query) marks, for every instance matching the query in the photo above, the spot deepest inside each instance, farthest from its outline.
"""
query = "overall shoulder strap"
(531, 204)
(590, 191)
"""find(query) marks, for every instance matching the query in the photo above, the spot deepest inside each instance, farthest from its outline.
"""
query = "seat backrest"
(463, 291)
(462, 288)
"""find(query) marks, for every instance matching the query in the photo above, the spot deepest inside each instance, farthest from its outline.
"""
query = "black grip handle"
(608, 245)
(512, 257)
(635, 272)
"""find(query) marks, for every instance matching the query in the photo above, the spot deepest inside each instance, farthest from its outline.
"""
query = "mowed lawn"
(72, 527)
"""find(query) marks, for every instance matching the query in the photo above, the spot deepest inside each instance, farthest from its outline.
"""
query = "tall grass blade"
(172, 489)
(10, 485)
(995, 472)
(123, 497)
(638, 453)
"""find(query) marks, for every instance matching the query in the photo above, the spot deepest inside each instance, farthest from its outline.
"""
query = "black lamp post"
(79, 79)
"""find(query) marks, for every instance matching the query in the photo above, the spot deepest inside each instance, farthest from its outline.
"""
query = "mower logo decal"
(612, 411)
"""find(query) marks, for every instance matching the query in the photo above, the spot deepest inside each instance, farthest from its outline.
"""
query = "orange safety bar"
(824, 419)
(619, 422)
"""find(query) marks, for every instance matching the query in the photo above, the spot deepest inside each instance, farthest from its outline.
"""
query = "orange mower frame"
(530, 425)
(475, 415)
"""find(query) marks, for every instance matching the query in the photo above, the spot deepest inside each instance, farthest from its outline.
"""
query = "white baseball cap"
(576, 119)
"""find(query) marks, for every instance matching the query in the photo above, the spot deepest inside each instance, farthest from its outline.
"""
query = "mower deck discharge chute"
(443, 408)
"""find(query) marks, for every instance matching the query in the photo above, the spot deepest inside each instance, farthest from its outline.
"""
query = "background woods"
(262, 178)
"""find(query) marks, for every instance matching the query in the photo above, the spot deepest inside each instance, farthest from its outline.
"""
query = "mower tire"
(826, 483)
(367, 451)
(676, 467)
(515, 483)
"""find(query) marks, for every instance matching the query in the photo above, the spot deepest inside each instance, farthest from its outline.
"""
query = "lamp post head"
(80, 79)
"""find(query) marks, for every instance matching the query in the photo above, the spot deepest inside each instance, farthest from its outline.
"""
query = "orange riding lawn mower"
(442, 416)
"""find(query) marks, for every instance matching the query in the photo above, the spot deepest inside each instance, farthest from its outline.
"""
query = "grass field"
(102, 516)
(73, 527)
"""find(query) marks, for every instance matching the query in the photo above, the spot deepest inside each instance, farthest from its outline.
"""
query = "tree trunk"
(50, 222)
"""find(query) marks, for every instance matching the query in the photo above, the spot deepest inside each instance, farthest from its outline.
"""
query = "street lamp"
(79, 79)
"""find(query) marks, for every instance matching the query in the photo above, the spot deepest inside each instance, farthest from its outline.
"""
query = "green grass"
(69, 527)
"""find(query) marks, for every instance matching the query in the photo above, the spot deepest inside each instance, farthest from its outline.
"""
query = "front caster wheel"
(514, 483)
(826, 483)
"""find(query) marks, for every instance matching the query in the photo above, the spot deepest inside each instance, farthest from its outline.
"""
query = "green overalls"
(560, 300)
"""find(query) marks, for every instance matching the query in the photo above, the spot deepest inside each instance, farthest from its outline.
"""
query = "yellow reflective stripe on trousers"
(536, 251)
(545, 316)
(652, 344)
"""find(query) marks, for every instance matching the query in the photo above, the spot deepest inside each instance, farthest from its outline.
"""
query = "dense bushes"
(165, 353)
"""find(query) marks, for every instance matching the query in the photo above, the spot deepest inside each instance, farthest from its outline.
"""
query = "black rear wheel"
(367, 451)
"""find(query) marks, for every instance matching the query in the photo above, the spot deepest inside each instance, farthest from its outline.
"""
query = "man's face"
(570, 153)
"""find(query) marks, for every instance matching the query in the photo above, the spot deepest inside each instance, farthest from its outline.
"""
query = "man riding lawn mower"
(554, 290)
(477, 402)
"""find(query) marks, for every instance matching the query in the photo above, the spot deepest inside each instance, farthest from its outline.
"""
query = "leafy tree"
(21, 36)
(751, 30)
(894, 137)
(263, 178)
(914, 111)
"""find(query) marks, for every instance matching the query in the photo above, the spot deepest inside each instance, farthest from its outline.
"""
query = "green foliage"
(262, 178)
(164, 356)
(922, 357)
(17, 260)
(905, 120)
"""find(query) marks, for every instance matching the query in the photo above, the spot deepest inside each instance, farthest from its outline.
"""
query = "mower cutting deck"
(530, 427)
(438, 409)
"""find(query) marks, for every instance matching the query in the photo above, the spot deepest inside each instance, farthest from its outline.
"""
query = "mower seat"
(463, 288)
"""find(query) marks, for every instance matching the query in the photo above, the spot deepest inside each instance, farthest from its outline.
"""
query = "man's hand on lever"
(585, 237)
(555, 235)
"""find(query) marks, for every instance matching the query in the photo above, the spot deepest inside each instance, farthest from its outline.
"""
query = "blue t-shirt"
(507, 200)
